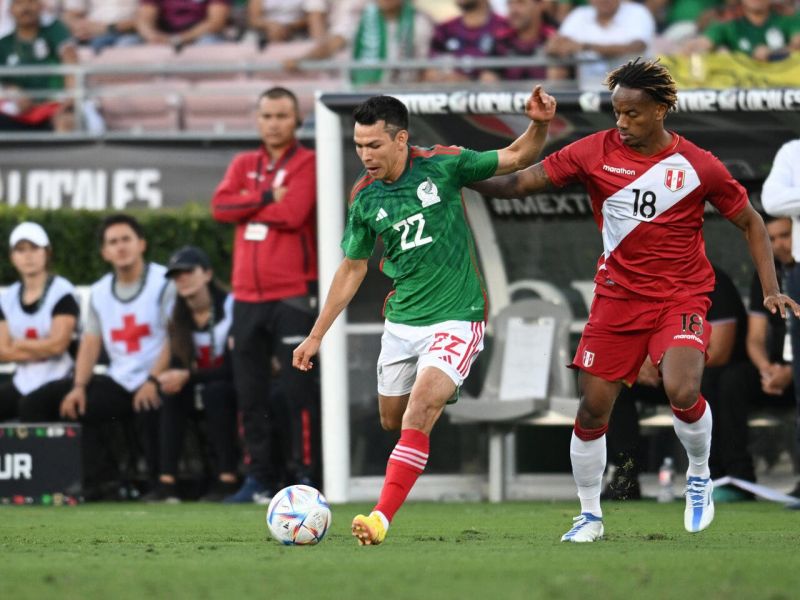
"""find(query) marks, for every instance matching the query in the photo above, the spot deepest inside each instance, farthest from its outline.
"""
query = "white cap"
(31, 232)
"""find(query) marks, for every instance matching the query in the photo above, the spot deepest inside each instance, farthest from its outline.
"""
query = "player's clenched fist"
(541, 106)
(302, 355)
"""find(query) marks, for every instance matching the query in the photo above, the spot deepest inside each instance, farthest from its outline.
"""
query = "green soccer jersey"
(44, 50)
(429, 250)
(740, 35)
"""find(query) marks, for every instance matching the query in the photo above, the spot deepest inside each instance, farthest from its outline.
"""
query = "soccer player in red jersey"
(648, 187)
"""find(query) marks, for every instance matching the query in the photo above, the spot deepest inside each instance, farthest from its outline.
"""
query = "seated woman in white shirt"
(38, 319)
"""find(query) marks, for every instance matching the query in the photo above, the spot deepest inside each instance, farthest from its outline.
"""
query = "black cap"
(186, 259)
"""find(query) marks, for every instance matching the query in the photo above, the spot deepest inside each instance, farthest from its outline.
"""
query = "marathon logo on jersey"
(588, 358)
(619, 170)
(674, 179)
(428, 193)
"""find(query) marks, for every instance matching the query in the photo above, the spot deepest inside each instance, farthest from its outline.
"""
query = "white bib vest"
(133, 331)
(32, 375)
(210, 345)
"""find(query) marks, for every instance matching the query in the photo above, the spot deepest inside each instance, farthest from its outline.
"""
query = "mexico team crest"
(674, 179)
(428, 193)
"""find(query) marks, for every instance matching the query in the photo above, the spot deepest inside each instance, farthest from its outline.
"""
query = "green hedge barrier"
(76, 249)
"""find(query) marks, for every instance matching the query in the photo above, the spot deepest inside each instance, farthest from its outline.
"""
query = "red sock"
(693, 413)
(406, 464)
(587, 435)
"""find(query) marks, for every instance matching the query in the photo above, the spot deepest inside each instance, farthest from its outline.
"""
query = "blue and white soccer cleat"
(587, 528)
(699, 504)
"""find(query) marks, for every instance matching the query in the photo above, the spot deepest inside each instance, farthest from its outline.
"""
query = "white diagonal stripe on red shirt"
(618, 218)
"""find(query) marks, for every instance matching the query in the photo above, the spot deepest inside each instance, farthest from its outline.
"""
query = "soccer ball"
(298, 515)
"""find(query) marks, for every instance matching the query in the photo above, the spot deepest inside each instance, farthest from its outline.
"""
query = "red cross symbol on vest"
(130, 333)
(204, 358)
(31, 334)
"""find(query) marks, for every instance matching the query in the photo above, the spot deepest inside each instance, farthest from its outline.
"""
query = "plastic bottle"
(666, 476)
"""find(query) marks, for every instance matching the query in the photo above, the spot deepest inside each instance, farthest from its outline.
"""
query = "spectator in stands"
(680, 19)
(284, 20)
(390, 30)
(726, 348)
(182, 22)
(564, 7)
(342, 17)
(102, 24)
(200, 371)
(270, 194)
(781, 197)
(475, 33)
(128, 313)
(29, 102)
(529, 34)
(38, 317)
(600, 36)
(760, 32)
(765, 381)
(50, 8)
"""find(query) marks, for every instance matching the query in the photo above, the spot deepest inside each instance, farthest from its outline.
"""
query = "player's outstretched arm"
(516, 185)
(344, 286)
(752, 225)
(525, 150)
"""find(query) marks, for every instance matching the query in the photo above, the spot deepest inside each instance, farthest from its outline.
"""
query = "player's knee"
(682, 394)
(590, 417)
(391, 422)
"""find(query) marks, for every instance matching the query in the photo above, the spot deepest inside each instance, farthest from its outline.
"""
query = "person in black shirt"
(765, 380)
(200, 375)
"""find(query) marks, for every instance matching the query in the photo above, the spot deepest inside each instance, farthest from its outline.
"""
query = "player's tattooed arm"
(515, 185)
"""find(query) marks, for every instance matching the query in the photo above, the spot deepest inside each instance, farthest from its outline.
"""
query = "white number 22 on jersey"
(405, 226)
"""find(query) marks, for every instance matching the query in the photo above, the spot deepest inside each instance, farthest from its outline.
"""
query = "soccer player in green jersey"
(435, 316)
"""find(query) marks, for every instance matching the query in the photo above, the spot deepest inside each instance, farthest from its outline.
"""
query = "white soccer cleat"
(587, 528)
(699, 504)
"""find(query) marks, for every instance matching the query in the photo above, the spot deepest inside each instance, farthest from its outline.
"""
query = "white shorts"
(450, 346)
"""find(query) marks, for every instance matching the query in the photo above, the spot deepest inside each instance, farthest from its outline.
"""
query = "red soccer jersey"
(650, 211)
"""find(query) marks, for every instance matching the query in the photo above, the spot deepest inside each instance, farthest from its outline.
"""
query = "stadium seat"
(139, 107)
(148, 55)
(488, 406)
(216, 55)
(305, 90)
(499, 414)
(210, 106)
(275, 54)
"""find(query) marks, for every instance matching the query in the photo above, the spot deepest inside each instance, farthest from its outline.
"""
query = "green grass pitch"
(434, 550)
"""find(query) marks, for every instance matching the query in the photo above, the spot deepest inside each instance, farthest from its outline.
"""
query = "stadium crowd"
(574, 42)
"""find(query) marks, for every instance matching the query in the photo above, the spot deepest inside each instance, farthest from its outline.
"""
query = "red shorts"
(622, 332)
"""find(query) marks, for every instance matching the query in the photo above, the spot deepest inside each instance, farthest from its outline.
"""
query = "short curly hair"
(650, 76)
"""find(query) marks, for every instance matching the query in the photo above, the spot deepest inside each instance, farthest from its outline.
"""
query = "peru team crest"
(588, 358)
(674, 179)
